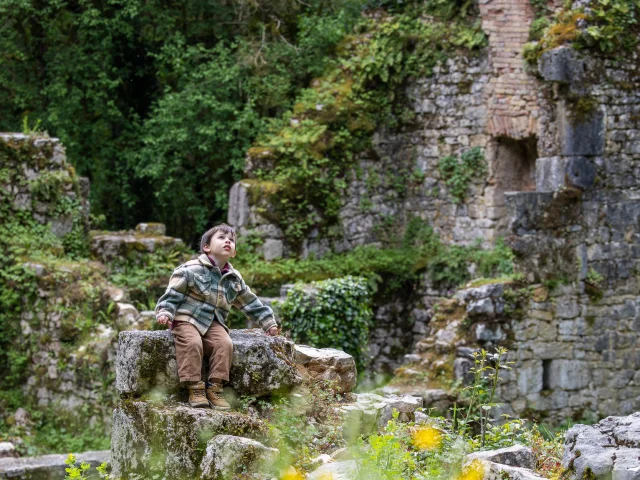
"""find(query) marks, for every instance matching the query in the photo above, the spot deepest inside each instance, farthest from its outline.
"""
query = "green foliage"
(304, 425)
(129, 83)
(594, 277)
(80, 472)
(390, 270)
(459, 172)
(313, 146)
(331, 313)
(480, 396)
(607, 26)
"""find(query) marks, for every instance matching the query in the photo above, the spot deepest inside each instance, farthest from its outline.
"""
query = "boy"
(195, 306)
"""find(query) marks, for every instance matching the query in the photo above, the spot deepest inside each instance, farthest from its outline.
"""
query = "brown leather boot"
(197, 397)
(214, 395)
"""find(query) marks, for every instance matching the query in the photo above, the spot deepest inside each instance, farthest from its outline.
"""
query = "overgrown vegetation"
(333, 313)
(151, 99)
(308, 152)
(608, 27)
(417, 251)
(458, 173)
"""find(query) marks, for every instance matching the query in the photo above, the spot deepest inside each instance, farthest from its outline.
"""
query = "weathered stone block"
(608, 449)
(145, 361)
(151, 229)
(562, 64)
(515, 456)
(328, 364)
(371, 410)
(169, 440)
(261, 365)
(121, 245)
(581, 137)
(47, 467)
(569, 374)
(555, 172)
(228, 456)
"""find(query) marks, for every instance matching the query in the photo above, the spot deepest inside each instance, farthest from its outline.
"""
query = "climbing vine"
(309, 150)
(459, 172)
(332, 313)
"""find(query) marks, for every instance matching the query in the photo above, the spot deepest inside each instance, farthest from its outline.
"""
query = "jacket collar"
(204, 259)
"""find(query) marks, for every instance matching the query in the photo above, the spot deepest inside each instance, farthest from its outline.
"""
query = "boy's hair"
(223, 227)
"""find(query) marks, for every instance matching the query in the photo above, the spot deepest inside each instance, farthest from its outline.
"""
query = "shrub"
(331, 313)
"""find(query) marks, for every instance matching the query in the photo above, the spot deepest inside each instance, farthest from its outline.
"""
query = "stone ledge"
(47, 467)
(261, 365)
(169, 440)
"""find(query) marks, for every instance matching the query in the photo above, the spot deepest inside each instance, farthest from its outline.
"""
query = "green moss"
(316, 144)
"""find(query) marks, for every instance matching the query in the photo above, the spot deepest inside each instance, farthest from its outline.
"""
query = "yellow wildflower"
(427, 438)
(291, 474)
(473, 471)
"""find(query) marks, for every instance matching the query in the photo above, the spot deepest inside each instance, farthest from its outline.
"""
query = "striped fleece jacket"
(199, 293)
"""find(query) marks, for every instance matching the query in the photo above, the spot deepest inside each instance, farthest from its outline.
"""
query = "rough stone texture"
(346, 470)
(515, 456)
(371, 411)
(7, 449)
(146, 361)
(497, 471)
(227, 455)
(168, 439)
(608, 449)
(50, 159)
(146, 238)
(261, 365)
(327, 364)
(562, 64)
(47, 467)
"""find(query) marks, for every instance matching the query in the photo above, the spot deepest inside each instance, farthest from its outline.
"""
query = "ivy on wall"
(332, 313)
(459, 172)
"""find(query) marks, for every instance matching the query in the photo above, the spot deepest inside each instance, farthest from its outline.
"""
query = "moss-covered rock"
(261, 365)
(169, 440)
(127, 244)
(228, 457)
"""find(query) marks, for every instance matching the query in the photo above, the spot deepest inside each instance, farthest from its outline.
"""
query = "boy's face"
(221, 246)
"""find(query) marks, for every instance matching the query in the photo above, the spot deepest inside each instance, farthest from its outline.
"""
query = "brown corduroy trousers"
(191, 347)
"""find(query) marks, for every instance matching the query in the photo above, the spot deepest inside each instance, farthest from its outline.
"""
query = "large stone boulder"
(146, 238)
(47, 467)
(145, 361)
(608, 449)
(371, 411)
(262, 365)
(346, 470)
(515, 456)
(327, 364)
(169, 440)
(498, 471)
(227, 456)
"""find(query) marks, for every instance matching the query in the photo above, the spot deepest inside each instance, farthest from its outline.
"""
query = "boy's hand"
(164, 320)
(273, 331)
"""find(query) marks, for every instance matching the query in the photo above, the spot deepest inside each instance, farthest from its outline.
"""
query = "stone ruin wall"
(574, 335)
(70, 327)
(562, 185)
(578, 350)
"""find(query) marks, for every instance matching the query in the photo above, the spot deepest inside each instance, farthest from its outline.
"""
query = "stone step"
(262, 365)
(169, 440)
(48, 467)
